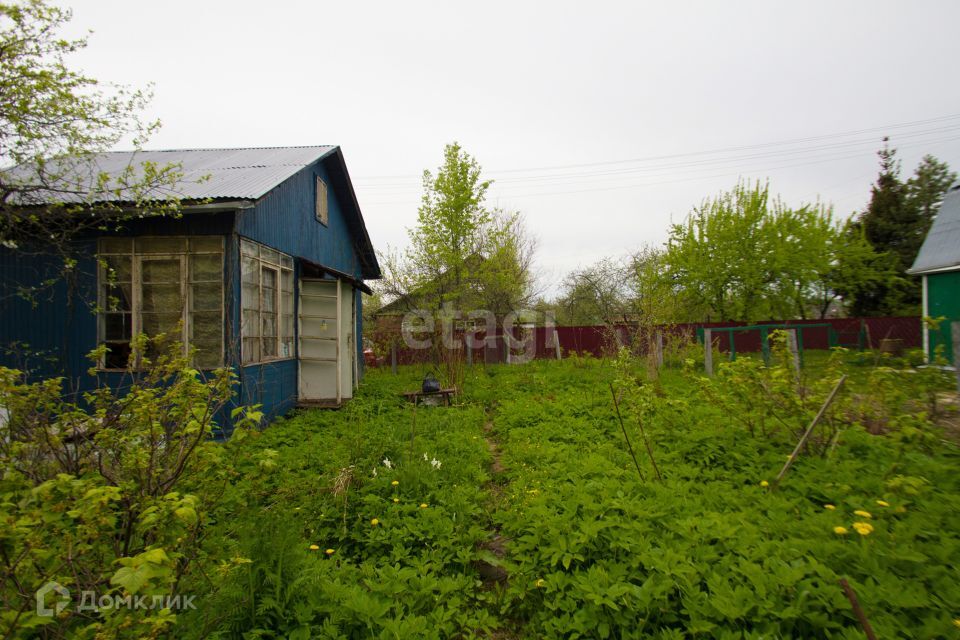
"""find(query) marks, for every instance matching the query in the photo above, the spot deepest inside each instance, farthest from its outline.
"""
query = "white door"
(348, 348)
(326, 333)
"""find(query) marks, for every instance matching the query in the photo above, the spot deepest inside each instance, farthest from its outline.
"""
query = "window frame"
(282, 265)
(322, 205)
(186, 283)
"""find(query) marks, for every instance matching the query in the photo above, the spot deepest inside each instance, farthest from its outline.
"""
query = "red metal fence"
(598, 341)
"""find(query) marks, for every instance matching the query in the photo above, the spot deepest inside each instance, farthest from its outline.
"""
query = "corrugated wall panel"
(273, 385)
(285, 220)
(943, 295)
(51, 335)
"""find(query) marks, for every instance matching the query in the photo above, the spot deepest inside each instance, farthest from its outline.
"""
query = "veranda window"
(267, 301)
(161, 285)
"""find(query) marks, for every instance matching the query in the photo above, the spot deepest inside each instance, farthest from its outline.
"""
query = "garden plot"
(384, 520)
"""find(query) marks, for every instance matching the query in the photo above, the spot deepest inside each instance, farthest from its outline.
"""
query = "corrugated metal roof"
(207, 173)
(941, 247)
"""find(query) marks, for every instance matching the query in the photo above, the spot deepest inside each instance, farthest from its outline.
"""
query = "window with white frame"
(322, 213)
(161, 285)
(266, 299)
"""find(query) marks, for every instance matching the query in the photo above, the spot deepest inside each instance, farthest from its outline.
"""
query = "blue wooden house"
(264, 272)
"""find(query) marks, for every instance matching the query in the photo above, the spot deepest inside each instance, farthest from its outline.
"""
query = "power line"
(822, 160)
(793, 141)
(816, 151)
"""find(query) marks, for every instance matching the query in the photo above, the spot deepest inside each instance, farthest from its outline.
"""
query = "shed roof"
(941, 247)
(206, 173)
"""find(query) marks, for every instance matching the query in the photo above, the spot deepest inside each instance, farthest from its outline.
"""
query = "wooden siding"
(62, 327)
(943, 300)
(52, 337)
(272, 385)
(284, 220)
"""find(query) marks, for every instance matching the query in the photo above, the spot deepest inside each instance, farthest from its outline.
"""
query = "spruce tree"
(895, 223)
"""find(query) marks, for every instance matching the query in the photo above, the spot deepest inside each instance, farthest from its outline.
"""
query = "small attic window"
(322, 213)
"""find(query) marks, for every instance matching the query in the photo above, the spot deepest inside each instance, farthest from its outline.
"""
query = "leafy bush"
(104, 497)
(382, 519)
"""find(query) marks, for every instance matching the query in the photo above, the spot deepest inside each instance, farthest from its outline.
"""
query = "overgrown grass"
(593, 549)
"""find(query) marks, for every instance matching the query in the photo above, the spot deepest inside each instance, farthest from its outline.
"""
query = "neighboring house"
(424, 296)
(264, 272)
(939, 264)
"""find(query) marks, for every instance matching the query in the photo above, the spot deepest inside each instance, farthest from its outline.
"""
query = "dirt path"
(492, 570)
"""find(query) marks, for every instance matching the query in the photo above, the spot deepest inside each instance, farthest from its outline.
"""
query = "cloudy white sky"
(600, 121)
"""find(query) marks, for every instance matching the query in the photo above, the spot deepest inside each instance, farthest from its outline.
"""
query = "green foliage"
(378, 520)
(53, 122)
(112, 495)
(596, 295)
(463, 254)
(895, 223)
(741, 256)
(596, 552)
(403, 556)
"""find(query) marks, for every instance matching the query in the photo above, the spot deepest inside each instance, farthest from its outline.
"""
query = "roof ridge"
(296, 146)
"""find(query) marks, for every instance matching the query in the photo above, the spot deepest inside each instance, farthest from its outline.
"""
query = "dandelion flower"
(540, 583)
(314, 547)
(764, 483)
(374, 522)
(956, 622)
(862, 513)
(829, 507)
(395, 482)
(396, 499)
(840, 531)
(329, 552)
(423, 505)
(863, 528)
(883, 503)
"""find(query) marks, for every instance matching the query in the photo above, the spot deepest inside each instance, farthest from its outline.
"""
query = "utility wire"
(505, 193)
(793, 141)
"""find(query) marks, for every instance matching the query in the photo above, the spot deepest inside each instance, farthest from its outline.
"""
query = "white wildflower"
(374, 472)
(387, 463)
(426, 458)
(435, 463)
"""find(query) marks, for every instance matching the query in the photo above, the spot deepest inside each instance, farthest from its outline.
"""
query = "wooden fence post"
(658, 348)
(467, 342)
(794, 351)
(708, 351)
(556, 343)
(393, 358)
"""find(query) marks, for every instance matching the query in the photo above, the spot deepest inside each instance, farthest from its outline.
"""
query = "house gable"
(285, 219)
(941, 248)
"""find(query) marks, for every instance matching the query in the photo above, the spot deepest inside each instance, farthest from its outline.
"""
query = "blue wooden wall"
(51, 334)
(62, 328)
(284, 219)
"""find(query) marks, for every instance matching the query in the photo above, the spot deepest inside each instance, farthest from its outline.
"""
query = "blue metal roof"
(941, 247)
(207, 173)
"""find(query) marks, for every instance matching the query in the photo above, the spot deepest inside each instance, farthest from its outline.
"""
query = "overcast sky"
(600, 122)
